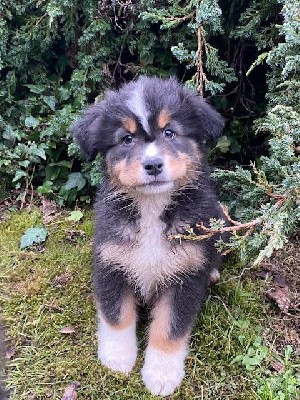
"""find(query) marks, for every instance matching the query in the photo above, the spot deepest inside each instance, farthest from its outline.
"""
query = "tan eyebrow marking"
(163, 118)
(129, 124)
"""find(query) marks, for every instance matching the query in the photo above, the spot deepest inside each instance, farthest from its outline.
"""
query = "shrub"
(57, 56)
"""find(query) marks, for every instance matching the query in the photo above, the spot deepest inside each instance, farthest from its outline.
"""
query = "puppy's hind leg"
(116, 328)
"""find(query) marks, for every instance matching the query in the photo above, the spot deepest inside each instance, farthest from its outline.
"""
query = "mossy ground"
(42, 292)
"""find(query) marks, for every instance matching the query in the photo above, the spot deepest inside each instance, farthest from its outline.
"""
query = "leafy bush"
(57, 56)
(270, 191)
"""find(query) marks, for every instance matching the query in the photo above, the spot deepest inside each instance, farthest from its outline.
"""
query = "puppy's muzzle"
(154, 166)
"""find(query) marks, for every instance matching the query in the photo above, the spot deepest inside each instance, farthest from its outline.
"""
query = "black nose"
(154, 166)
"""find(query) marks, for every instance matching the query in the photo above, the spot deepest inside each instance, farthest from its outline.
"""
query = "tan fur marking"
(182, 168)
(127, 314)
(160, 328)
(130, 125)
(124, 174)
(163, 118)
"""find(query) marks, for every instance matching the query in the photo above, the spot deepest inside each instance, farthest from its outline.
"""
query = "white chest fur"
(151, 259)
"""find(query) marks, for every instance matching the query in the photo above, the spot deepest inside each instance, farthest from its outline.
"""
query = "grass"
(45, 291)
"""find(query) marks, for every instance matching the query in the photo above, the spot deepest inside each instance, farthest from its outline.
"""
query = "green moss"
(36, 306)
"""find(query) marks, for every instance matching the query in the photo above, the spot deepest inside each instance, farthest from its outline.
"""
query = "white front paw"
(163, 372)
(117, 349)
(120, 359)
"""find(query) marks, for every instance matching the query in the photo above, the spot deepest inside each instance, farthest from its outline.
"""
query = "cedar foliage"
(57, 56)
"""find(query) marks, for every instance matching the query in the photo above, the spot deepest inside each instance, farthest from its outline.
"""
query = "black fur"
(187, 297)
(111, 287)
(96, 129)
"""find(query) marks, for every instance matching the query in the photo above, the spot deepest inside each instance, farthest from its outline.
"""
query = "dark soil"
(283, 271)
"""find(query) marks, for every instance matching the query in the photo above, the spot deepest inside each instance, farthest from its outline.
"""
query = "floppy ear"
(211, 123)
(86, 131)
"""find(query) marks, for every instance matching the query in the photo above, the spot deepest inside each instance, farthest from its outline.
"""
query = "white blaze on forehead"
(151, 151)
(136, 104)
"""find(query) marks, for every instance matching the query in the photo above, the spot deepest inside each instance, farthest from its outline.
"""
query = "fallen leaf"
(10, 352)
(20, 286)
(62, 280)
(73, 235)
(281, 296)
(28, 255)
(70, 392)
(75, 216)
(90, 297)
(55, 307)
(67, 330)
(280, 280)
(264, 274)
(4, 217)
(49, 211)
(277, 366)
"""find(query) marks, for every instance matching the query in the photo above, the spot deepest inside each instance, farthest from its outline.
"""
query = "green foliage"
(254, 356)
(281, 385)
(57, 56)
(271, 191)
(41, 90)
(284, 385)
(258, 22)
(36, 235)
(204, 20)
(75, 216)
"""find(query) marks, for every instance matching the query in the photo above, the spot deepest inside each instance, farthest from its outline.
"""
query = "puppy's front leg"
(116, 309)
(173, 318)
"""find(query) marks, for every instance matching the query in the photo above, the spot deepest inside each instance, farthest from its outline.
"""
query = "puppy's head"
(151, 133)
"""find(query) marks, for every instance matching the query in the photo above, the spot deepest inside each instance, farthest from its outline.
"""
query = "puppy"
(152, 136)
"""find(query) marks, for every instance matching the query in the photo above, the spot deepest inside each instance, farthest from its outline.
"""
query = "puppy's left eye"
(169, 134)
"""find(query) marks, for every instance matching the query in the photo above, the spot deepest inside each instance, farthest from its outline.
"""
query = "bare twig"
(234, 228)
(26, 191)
(200, 72)
(181, 19)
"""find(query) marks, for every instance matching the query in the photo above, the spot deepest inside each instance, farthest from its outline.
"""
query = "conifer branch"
(235, 226)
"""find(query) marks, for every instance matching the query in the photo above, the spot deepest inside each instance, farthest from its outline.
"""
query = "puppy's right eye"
(128, 139)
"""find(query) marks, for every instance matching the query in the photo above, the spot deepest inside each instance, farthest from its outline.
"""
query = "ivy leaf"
(19, 175)
(40, 151)
(75, 216)
(75, 180)
(32, 236)
(46, 188)
(50, 101)
(31, 122)
(223, 144)
(37, 89)
(9, 133)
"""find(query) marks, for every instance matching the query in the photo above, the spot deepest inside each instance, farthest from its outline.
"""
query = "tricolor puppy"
(152, 136)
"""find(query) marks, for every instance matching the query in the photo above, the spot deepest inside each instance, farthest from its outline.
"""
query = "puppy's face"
(151, 133)
(152, 156)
